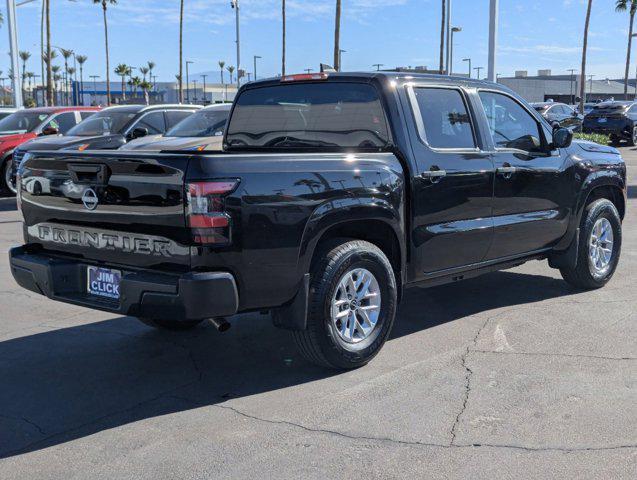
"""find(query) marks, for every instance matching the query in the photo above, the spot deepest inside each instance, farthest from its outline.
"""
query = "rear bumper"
(147, 294)
(623, 130)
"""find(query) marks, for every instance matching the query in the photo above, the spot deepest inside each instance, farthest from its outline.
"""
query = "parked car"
(334, 192)
(6, 111)
(24, 125)
(110, 129)
(203, 130)
(617, 119)
(561, 113)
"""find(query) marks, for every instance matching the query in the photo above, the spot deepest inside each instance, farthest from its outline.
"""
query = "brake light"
(206, 215)
(304, 77)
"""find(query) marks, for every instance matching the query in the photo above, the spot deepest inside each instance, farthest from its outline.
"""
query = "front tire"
(599, 247)
(172, 325)
(7, 185)
(352, 305)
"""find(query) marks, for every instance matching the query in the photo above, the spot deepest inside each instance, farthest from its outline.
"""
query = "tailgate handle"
(95, 174)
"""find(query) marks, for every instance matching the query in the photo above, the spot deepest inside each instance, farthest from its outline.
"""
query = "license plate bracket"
(103, 282)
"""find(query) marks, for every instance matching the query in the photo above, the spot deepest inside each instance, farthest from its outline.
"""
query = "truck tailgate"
(108, 207)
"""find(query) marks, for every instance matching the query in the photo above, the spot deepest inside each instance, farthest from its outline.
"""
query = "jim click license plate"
(103, 282)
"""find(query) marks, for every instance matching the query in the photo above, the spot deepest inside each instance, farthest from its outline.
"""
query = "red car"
(24, 125)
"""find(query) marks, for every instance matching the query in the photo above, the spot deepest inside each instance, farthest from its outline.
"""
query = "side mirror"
(138, 132)
(562, 138)
(50, 131)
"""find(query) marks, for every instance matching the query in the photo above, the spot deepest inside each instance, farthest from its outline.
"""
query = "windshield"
(205, 123)
(308, 115)
(22, 122)
(102, 123)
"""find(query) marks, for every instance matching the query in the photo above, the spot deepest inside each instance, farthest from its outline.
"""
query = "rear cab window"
(321, 115)
(442, 118)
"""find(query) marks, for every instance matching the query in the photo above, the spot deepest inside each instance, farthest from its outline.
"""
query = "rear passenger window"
(85, 115)
(445, 119)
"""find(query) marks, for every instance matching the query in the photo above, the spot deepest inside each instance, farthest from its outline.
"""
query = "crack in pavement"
(467, 379)
(410, 442)
(26, 420)
(550, 354)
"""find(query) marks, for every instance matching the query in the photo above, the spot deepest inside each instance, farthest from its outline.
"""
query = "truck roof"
(388, 76)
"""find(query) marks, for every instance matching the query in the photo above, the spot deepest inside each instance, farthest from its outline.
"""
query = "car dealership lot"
(511, 375)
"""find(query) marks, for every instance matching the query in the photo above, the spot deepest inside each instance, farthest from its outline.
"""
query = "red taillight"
(207, 218)
(304, 77)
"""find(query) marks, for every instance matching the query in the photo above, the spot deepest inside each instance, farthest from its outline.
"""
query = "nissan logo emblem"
(89, 199)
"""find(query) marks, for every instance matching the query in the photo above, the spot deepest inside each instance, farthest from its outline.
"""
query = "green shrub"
(594, 137)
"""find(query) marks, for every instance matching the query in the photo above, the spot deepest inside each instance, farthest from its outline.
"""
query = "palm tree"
(221, 65)
(71, 72)
(631, 6)
(104, 4)
(151, 66)
(283, 40)
(81, 59)
(122, 71)
(582, 87)
(230, 70)
(337, 37)
(66, 54)
(144, 71)
(181, 51)
(442, 36)
(55, 77)
(24, 56)
(145, 86)
(135, 82)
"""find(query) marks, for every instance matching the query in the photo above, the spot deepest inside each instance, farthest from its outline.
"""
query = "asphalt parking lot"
(511, 375)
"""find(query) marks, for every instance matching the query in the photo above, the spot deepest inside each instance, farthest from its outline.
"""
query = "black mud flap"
(293, 315)
(566, 258)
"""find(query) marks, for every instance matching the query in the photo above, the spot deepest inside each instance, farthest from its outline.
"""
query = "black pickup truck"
(334, 192)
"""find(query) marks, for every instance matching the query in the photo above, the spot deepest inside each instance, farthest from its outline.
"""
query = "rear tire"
(173, 325)
(599, 247)
(352, 305)
(632, 141)
(615, 140)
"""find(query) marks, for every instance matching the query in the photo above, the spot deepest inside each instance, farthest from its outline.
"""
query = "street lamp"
(478, 69)
(378, 65)
(204, 76)
(195, 88)
(308, 70)
(340, 59)
(235, 4)
(188, 62)
(256, 57)
(453, 30)
(468, 60)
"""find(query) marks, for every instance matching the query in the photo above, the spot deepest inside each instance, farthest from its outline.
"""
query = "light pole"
(308, 70)
(13, 52)
(340, 59)
(94, 78)
(493, 38)
(2, 79)
(235, 4)
(448, 35)
(255, 58)
(188, 62)
(378, 65)
(478, 69)
(571, 99)
(590, 85)
(453, 30)
(468, 60)
(195, 90)
(203, 76)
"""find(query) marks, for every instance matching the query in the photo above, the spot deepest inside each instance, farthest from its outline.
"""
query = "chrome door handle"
(433, 174)
(506, 171)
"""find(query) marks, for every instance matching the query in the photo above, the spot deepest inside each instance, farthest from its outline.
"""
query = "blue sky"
(533, 34)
